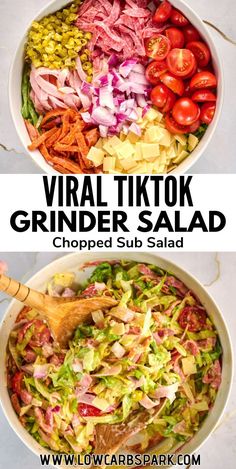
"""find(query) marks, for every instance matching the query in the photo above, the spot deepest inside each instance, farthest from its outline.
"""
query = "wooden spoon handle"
(20, 292)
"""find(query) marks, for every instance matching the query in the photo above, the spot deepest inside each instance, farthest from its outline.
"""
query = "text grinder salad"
(117, 86)
(157, 343)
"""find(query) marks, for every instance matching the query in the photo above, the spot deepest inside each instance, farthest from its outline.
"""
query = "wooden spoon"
(63, 314)
(110, 438)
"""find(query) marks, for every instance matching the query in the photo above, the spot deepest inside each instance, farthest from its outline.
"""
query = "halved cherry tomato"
(194, 127)
(200, 51)
(187, 89)
(175, 84)
(185, 111)
(163, 12)
(207, 112)
(190, 33)
(203, 79)
(154, 70)
(174, 127)
(175, 37)
(193, 71)
(16, 382)
(178, 18)
(86, 410)
(163, 98)
(157, 47)
(192, 317)
(201, 96)
(181, 62)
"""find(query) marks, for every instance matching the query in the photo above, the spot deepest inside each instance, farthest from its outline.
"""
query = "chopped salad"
(117, 86)
(158, 342)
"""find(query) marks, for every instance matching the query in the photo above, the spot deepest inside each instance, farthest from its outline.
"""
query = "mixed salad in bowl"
(117, 86)
(158, 342)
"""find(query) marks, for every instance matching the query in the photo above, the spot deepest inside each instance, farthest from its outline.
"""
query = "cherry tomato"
(86, 410)
(154, 70)
(163, 12)
(163, 98)
(178, 18)
(181, 62)
(194, 127)
(16, 382)
(201, 96)
(192, 72)
(203, 79)
(185, 111)
(207, 112)
(200, 51)
(174, 127)
(175, 37)
(157, 47)
(175, 84)
(187, 89)
(190, 33)
(192, 317)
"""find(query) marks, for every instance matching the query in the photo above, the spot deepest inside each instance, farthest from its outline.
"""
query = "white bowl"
(16, 75)
(72, 262)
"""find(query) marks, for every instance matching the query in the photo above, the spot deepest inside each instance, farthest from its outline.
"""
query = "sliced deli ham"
(63, 93)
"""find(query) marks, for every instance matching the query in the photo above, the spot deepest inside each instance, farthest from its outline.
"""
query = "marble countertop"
(217, 272)
(219, 157)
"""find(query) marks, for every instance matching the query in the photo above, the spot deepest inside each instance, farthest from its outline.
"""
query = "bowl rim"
(189, 162)
(25, 437)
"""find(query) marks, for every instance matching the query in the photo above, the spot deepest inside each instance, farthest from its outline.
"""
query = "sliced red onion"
(104, 80)
(86, 88)
(126, 67)
(135, 129)
(113, 60)
(104, 116)
(146, 109)
(103, 130)
(139, 68)
(117, 79)
(138, 78)
(106, 97)
(121, 117)
(86, 116)
(131, 103)
(129, 87)
(133, 116)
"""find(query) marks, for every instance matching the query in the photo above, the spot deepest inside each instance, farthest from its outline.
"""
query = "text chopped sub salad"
(117, 86)
(157, 343)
